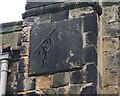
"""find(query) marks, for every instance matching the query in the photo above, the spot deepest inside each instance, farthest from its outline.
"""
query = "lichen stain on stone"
(67, 60)
(71, 53)
(71, 63)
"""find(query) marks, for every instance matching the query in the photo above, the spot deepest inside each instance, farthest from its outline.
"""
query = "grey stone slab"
(21, 66)
(91, 73)
(89, 55)
(89, 90)
(90, 23)
(60, 79)
(20, 80)
(74, 90)
(58, 46)
(55, 51)
(76, 77)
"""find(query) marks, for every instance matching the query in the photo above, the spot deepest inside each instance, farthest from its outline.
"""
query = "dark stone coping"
(56, 7)
(106, 4)
(10, 27)
(31, 5)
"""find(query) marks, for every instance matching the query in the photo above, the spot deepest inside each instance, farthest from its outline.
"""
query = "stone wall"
(111, 47)
(81, 76)
(92, 47)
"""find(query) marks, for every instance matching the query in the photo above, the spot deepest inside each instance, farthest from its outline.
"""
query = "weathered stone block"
(28, 22)
(43, 82)
(111, 21)
(112, 60)
(74, 90)
(77, 13)
(110, 44)
(58, 16)
(110, 14)
(89, 39)
(89, 90)
(60, 79)
(25, 83)
(29, 84)
(89, 55)
(87, 20)
(112, 77)
(21, 65)
(111, 90)
(20, 82)
(112, 29)
(91, 75)
(15, 55)
(48, 92)
(10, 39)
(45, 18)
(60, 91)
(25, 48)
(108, 32)
(76, 77)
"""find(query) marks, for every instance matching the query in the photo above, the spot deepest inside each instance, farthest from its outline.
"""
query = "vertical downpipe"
(4, 71)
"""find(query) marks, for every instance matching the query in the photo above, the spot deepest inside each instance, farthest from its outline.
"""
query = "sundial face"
(56, 46)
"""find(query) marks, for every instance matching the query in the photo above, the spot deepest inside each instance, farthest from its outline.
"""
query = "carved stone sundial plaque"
(56, 47)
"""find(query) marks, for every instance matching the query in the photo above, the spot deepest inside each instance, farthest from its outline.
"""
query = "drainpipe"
(5, 56)
(4, 71)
